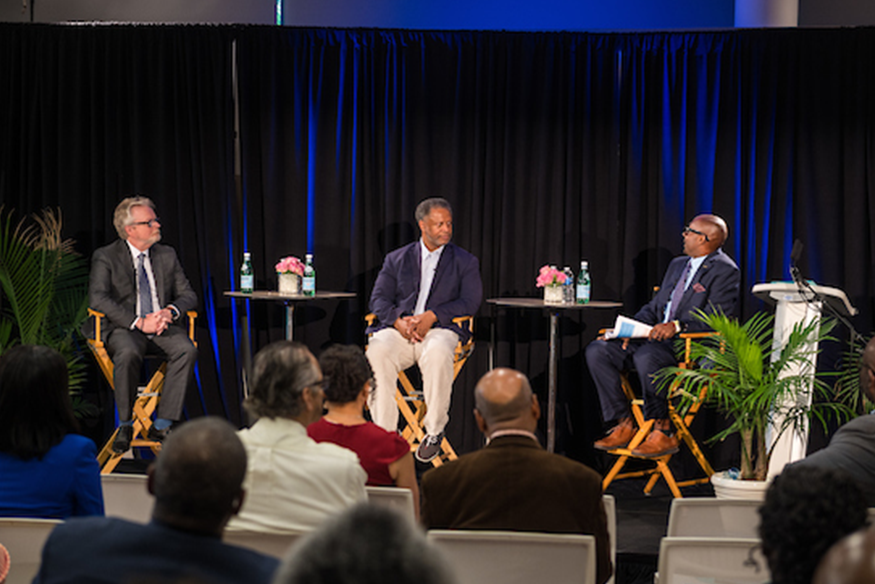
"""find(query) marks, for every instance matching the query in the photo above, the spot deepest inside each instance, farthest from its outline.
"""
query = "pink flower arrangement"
(550, 276)
(290, 265)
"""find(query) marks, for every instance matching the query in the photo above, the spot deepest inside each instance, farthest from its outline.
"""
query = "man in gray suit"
(140, 286)
(852, 448)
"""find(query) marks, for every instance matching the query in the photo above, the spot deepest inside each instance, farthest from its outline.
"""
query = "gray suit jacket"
(852, 450)
(112, 287)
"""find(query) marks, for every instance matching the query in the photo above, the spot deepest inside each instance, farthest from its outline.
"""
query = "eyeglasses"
(150, 222)
(322, 384)
(689, 229)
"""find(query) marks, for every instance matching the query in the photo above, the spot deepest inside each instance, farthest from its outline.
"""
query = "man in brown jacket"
(513, 483)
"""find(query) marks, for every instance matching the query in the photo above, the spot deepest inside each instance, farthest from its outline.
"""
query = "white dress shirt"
(428, 266)
(292, 482)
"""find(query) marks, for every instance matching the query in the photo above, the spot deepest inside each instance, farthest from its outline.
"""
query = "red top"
(376, 447)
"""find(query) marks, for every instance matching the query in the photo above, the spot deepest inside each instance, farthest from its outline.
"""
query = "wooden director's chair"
(144, 405)
(681, 421)
(411, 402)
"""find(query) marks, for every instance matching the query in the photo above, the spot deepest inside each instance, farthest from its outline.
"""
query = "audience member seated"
(46, 469)
(806, 511)
(197, 482)
(294, 483)
(852, 449)
(849, 561)
(384, 455)
(364, 545)
(513, 483)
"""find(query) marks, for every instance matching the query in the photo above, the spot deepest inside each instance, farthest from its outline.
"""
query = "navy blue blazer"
(108, 549)
(112, 287)
(455, 291)
(715, 286)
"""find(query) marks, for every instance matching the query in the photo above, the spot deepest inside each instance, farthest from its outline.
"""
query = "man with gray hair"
(140, 286)
(421, 288)
(197, 482)
(293, 482)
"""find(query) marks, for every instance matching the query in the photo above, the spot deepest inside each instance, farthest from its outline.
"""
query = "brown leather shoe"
(658, 443)
(618, 436)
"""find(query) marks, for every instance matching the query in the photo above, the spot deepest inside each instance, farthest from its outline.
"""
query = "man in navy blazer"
(140, 286)
(704, 278)
(420, 289)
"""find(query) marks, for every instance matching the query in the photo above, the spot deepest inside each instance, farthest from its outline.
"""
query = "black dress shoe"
(122, 442)
(156, 435)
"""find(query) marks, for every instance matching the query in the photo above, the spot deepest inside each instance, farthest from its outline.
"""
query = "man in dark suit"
(420, 289)
(140, 286)
(704, 278)
(852, 448)
(513, 483)
(197, 482)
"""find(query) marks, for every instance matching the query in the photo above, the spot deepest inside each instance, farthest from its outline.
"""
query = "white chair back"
(513, 557)
(396, 498)
(24, 539)
(715, 560)
(709, 517)
(269, 544)
(127, 496)
(611, 513)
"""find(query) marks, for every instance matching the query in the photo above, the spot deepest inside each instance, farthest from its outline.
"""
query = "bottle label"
(246, 283)
(583, 291)
(308, 286)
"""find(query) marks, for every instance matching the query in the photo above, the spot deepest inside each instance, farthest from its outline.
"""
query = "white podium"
(795, 306)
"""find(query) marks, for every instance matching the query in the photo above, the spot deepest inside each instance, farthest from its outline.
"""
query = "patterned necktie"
(143, 287)
(678, 293)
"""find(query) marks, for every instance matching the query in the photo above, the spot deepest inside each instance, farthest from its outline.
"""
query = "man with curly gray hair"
(293, 483)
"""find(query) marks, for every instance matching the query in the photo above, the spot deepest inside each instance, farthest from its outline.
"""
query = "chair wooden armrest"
(97, 315)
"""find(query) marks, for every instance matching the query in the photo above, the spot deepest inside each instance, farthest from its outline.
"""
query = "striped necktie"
(678, 293)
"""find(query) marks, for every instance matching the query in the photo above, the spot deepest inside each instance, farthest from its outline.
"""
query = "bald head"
(197, 479)
(850, 561)
(503, 400)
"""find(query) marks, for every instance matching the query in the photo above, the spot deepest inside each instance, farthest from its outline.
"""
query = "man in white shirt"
(140, 286)
(292, 482)
(421, 288)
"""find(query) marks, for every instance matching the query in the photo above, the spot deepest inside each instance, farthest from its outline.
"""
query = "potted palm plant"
(750, 380)
(43, 290)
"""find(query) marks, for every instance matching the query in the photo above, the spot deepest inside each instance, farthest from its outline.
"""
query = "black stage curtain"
(552, 147)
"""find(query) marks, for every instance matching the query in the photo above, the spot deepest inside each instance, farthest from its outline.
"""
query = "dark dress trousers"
(514, 484)
(113, 291)
(715, 286)
(112, 550)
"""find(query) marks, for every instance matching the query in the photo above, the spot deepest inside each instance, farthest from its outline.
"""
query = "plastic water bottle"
(309, 283)
(584, 285)
(247, 276)
(568, 286)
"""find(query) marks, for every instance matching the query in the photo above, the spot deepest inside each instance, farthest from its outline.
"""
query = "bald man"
(850, 561)
(513, 483)
(197, 481)
(705, 279)
(852, 448)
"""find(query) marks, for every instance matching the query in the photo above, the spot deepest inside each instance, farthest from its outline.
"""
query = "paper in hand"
(628, 328)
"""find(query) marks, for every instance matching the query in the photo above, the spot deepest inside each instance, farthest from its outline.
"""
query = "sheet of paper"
(628, 328)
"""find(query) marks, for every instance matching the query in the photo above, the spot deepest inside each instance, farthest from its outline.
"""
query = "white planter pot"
(289, 283)
(729, 488)
(554, 294)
